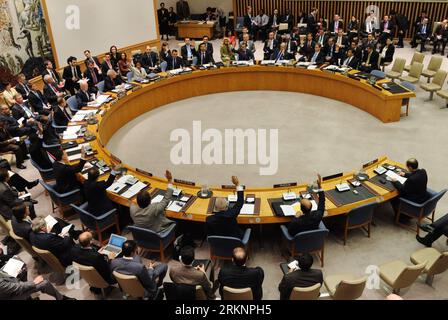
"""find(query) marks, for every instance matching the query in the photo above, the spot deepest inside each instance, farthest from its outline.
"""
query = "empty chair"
(100, 86)
(405, 102)
(419, 211)
(222, 247)
(399, 275)
(51, 260)
(130, 285)
(434, 65)
(23, 243)
(397, 69)
(72, 103)
(47, 175)
(307, 293)
(436, 262)
(359, 217)
(417, 57)
(97, 224)
(414, 73)
(345, 286)
(378, 74)
(436, 84)
(61, 201)
(237, 294)
(92, 277)
(148, 240)
(306, 242)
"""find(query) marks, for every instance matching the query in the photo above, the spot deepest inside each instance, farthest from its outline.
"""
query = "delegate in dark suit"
(59, 246)
(351, 62)
(245, 55)
(21, 228)
(239, 277)
(50, 93)
(174, 63)
(204, 58)
(8, 200)
(414, 188)
(68, 76)
(150, 60)
(224, 223)
(60, 117)
(90, 257)
(65, 176)
(307, 49)
(23, 89)
(110, 84)
(38, 101)
(14, 128)
(389, 54)
(95, 192)
(310, 221)
(83, 98)
(279, 55)
(94, 78)
(184, 53)
(298, 278)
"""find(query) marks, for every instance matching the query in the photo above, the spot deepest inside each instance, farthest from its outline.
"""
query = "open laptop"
(114, 246)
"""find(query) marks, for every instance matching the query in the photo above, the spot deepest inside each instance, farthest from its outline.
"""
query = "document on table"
(13, 267)
(175, 206)
(132, 191)
(288, 210)
(247, 209)
(50, 221)
(102, 98)
(157, 199)
(394, 176)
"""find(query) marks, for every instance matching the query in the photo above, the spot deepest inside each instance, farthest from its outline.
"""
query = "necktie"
(174, 63)
(109, 64)
(53, 75)
(203, 58)
(424, 29)
(94, 78)
(66, 114)
(55, 90)
(38, 97)
(87, 95)
(25, 87)
(368, 58)
(27, 111)
(74, 72)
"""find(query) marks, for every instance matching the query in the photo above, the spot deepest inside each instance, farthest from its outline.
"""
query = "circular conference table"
(380, 103)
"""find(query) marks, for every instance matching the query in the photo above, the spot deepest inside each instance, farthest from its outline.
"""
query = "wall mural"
(24, 39)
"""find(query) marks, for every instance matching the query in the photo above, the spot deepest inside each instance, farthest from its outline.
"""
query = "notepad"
(65, 230)
(157, 199)
(394, 176)
(132, 191)
(288, 211)
(247, 209)
(175, 206)
(50, 221)
(13, 267)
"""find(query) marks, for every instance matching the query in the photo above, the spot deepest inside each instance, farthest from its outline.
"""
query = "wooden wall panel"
(437, 10)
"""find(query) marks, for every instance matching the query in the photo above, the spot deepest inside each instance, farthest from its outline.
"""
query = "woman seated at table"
(227, 51)
(165, 52)
(139, 72)
(124, 65)
(232, 38)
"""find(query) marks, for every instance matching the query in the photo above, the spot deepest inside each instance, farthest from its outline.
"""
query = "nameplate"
(368, 164)
(333, 176)
(188, 183)
(285, 185)
(143, 172)
(136, 87)
(121, 95)
(115, 159)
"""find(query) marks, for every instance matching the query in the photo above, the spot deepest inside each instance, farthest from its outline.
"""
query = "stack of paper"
(132, 191)
(13, 267)
(175, 206)
(71, 133)
(102, 98)
(157, 199)
(293, 265)
(267, 62)
(50, 221)
(290, 210)
(394, 176)
(247, 209)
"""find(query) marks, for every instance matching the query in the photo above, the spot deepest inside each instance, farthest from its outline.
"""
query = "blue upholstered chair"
(72, 103)
(306, 242)
(97, 224)
(100, 86)
(359, 217)
(130, 76)
(405, 101)
(222, 247)
(378, 74)
(46, 174)
(58, 129)
(151, 241)
(419, 211)
(61, 201)
(50, 146)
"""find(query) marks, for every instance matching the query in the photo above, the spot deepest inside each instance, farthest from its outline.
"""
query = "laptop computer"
(114, 246)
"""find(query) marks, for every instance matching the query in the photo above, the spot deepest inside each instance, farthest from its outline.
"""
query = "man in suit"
(307, 48)
(183, 9)
(239, 276)
(301, 277)
(331, 52)
(387, 29)
(38, 101)
(98, 202)
(321, 37)
(224, 221)
(86, 255)
(274, 21)
(341, 40)
(244, 54)
(209, 46)
(83, 96)
(59, 245)
(280, 53)
(402, 24)
(93, 76)
(188, 52)
(387, 52)
(423, 33)
(151, 277)
(72, 74)
(357, 51)
(435, 230)
(417, 24)
(21, 221)
(22, 86)
(21, 110)
(13, 289)
(250, 45)
(94, 60)
(248, 21)
(311, 21)
(61, 115)
(175, 62)
(184, 272)
(440, 37)
(9, 197)
(49, 70)
(112, 80)
(65, 174)
(309, 220)
(12, 126)
(291, 46)
(414, 189)
(349, 60)
(149, 215)
(269, 46)
(7, 143)
(203, 56)
(336, 25)
(107, 65)
(370, 60)
(51, 91)
(289, 19)
(150, 60)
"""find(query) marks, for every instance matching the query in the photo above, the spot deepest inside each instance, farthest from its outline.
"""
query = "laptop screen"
(117, 241)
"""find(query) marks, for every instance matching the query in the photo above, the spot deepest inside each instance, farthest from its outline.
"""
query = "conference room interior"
(327, 123)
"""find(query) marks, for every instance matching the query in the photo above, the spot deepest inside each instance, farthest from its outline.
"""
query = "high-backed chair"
(419, 210)
(397, 69)
(405, 102)
(58, 129)
(222, 247)
(417, 57)
(97, 224)
(72, 103)
(436, 262)
(51, 260)
(306, 242)
(307, 293)
(179, 291)
(345, 286)
(148, 240)
(414, 73)
(378, 74)
(436, 84)
(92, 277)
(47, 175)
(237, 294)
(434, 65)
(5, 224)
(23, 243)
(399, 275)
(130, 285)
(61, 201)
(444, 95)
(359, 217)
(100, 86)
(129, 76)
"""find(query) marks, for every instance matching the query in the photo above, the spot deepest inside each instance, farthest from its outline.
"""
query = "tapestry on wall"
(24, 41)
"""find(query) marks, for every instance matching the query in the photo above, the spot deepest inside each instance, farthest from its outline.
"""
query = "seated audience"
(49, 70)
(238, 276)
(94, 76)
(38, 154)
(227, 51)
(22, 86)
(269, 46)
(9, 93)
(349, 60)
(90, 59)
(387, 53)
(280, 53)
(440, 38)
(107, 65)
(38, 101)
(12, 125)
(150, 60)
(21, 110)
(245, 54)
(370, 61)
(203, 56)
(51, 91)
(124, 65)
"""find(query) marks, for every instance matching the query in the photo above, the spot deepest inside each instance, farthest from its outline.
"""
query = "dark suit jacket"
(59, 246)
(320, 57)
(56, 74)
(267, 50)
(184, 52)
(89, 75)
(65, 176)
(91, 257)
(37, 100)
(21, 228)
(150, 60)
(340, 26)
(105, 68)
(276, 55)
(224, 223)
(310, 221)
(13, 127)
(60, 118)
(373, 60)
(389, 56)
(390, 26)
(8, 200)
(18, 112)
(96, 196)
(245, 55)
(50, 95)
(427, 32)
(288, 19)
(39, 155)
(207, 58)
(247, 22)
(414, 189)
(86, 62)
(178, 64)
(110, 84)
(354, 62)
(308, 50)
(325, 39)
(83, 98)
(67, 75)
(242, 277)
(298, 278)
(23, 90)
(311, 23)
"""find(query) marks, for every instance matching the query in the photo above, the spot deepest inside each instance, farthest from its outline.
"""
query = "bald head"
(221, 204)
(48, 79)
(85, 239)
(83, 85)
(239, 256)
(412, 164)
